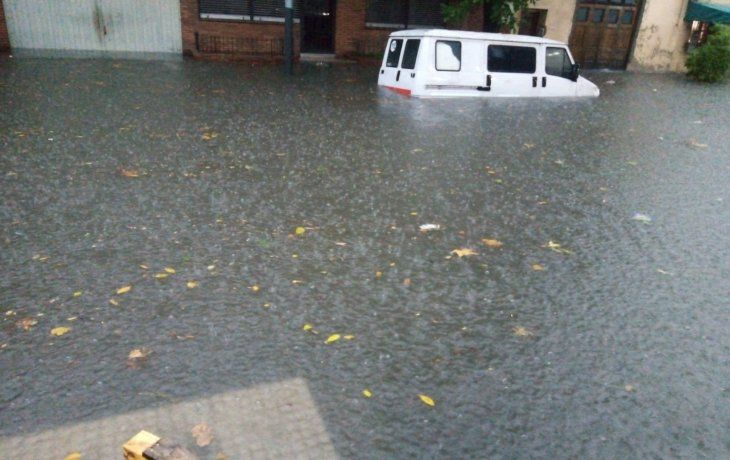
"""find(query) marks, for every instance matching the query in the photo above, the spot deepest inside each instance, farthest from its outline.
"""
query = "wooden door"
(603, 31)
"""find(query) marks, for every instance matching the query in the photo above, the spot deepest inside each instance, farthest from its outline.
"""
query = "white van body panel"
(475, 72)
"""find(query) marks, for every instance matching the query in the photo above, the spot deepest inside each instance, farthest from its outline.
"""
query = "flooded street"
(599, 328)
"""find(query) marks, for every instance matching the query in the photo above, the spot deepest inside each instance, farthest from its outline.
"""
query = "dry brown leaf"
(492, 243)
(26, 323)
(130, 173)
(203, 434)
(522, 331)
(407, 282)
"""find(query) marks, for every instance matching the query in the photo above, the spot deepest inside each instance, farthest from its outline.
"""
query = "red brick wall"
(4, 39)
(228, 32)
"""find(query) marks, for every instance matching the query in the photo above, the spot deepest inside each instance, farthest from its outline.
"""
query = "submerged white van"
(454, 63)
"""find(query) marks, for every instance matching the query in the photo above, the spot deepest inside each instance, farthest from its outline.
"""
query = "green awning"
(717, 12)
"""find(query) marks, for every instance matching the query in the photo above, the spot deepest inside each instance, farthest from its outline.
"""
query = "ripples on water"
(355, 165)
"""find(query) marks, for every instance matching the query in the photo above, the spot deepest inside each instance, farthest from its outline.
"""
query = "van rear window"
(511, 59)
(410, 54)
(394, 49)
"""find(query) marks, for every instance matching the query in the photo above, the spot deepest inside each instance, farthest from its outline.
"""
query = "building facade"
(643, 35)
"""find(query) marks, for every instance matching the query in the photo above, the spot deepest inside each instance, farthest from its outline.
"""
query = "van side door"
(512, 70)
(557, 73)
(389, 72)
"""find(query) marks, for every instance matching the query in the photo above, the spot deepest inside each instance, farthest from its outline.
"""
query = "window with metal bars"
(245, 10)
(404, 14)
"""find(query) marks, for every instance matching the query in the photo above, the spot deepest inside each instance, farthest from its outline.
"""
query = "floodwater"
(618, 348)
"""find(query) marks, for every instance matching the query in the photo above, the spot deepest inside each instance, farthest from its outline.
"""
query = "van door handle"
(544, 82)
(489, 85)
(534, 82)
(397, 76)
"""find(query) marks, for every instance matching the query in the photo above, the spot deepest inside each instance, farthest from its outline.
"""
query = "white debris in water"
(611, 82)
(429, 227)
(641, 218)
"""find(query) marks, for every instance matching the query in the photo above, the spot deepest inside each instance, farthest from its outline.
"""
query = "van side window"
(394, 53)
(448, 55)
(557, 62)
(410, 54)
(511, 59)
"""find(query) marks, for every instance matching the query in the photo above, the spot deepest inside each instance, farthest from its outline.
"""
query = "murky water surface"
(622, 346)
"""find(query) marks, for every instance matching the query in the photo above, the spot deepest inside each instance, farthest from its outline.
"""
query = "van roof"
(463, 34)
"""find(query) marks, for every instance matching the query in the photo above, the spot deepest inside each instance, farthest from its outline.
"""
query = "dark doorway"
(318, 26)
(603, 32)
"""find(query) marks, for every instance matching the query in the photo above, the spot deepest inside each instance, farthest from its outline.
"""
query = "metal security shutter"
(425, 13)
(123, 28)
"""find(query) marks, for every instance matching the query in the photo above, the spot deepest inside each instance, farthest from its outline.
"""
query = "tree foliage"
(500, 12)
(710, 63)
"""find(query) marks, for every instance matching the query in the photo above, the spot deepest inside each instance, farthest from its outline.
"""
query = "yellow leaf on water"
(255, 288)
(192, 284)
(114, 302)
(332, 338)
(492, 243)
(169, 270)
(59, 331)
(143, 266)
(349, 337)
(522, 331)
(300, 231)
(307, 327)
(367, 393)
(378, 274)
(538, 267)
(124, 290)
(553, 246)
(203, 434)
(139, 353)
(161, 275)
(78, 293)
(73, 456)
(464, 252)
(427, 400)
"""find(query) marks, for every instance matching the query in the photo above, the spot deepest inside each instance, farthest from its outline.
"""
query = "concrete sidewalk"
(277, 420)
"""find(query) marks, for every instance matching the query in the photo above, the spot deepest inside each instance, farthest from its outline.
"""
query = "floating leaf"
(78, 293)
(59, 331)
(521, 331)
(209, 136)
(407, 282)
(114, 302)
(192, 284)
(332, 338)
(255, 288)
(139, 353)
(307, 327)
(73, 456)
(27, 323)
(367, 393)
(492, 243)
(169, 270)
(629, 388)
(537, 267)
(378, 274)
(427, 400)
(300, 231)
(464, 252)
(203, 434)
(553, 246)
(130, 173)
(349, 337)
(124, 290)
(639, 217)
(161, 275)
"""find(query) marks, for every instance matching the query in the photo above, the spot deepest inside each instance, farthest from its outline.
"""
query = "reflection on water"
(623, 347)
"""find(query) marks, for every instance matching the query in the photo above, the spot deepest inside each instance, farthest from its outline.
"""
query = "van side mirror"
(575, 72)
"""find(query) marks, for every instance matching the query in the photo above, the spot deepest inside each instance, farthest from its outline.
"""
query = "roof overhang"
(715, 11)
